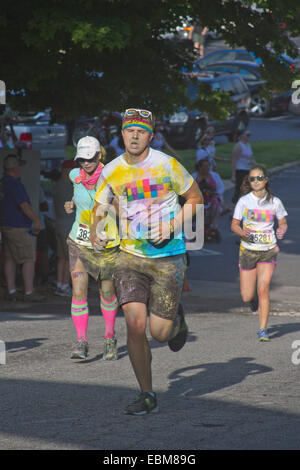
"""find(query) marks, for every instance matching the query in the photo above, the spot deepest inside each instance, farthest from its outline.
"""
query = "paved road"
(224, 390)
(284, 127)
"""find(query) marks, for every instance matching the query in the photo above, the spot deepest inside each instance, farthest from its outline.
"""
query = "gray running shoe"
(110, 352)
(176, 343)
(144, 404)
(80, 350)
(63, 292)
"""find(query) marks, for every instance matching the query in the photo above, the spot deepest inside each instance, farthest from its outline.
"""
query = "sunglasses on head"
(142, 112)
(258, 178)
(88, 160)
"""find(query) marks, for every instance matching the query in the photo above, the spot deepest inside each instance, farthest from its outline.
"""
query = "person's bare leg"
(161, 329)
(248, 284)
(79, 278)
(137, 343)
(264, 275)
(28, 276)
(10, 273)
(107, 290)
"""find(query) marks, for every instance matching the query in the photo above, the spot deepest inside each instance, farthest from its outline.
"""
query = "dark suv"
(184, 128)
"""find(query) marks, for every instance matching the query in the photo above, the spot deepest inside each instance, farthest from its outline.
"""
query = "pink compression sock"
(80, 316)
(109, 310)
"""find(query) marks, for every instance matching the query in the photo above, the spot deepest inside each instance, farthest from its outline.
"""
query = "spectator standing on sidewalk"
(197, 35)
(62, 192)
(42, 263)
(242, 162)
(16, 218)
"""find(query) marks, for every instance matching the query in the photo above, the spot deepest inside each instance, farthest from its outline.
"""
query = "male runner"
(150, 269)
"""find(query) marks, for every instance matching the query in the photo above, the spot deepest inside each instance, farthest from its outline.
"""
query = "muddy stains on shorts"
(156, 282)
(98, 265)
(249, 259)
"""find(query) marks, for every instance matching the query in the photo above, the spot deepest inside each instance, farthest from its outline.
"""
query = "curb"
(277, 169)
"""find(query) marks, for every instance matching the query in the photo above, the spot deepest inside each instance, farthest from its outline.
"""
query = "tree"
(83, 56)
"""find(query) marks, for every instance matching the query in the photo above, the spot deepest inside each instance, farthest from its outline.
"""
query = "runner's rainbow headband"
(137, 121)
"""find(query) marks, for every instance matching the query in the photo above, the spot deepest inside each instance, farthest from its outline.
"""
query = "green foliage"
(217, 105)
(83, 56)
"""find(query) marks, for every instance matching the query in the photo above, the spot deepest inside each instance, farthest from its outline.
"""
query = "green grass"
(269, 154)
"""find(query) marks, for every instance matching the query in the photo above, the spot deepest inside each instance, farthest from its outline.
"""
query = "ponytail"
(102, 154)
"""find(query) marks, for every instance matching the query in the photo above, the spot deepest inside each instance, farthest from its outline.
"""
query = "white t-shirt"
(211, 148)
(245, 157)
(258, 215)
(202, 154)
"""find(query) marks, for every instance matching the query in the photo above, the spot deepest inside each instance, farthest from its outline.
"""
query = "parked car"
(294, 108)
(230, 55)
(222, 56)
(250, 71)
(184, 128)
(37, 133)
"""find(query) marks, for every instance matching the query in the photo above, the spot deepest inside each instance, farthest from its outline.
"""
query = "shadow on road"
(54, 414)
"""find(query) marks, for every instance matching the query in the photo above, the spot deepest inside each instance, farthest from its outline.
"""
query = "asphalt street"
(223, 390)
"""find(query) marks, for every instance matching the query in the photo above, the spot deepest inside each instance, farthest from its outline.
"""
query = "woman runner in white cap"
(84, 261)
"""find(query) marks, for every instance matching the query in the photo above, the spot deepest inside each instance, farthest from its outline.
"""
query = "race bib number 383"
(83, 235)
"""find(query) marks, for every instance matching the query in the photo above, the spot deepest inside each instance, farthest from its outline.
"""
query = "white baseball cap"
(87, 147)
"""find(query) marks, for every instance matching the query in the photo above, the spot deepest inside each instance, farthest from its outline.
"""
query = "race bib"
(260, 238)
(83, 235)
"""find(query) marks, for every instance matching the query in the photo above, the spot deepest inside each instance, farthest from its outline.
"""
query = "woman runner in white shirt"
(257, 210)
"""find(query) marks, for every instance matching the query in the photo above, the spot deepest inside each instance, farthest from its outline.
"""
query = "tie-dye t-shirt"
(147, 193)
(84, 201)
(259, 216)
